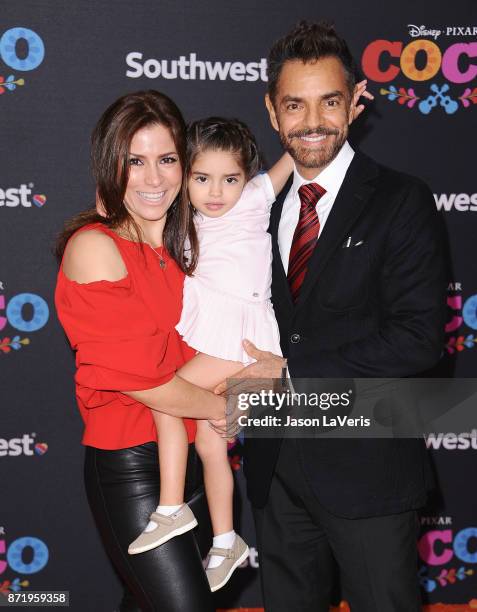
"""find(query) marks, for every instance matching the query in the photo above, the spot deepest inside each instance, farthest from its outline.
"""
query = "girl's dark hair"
(110, 160)
(309, 41)
(221, 134)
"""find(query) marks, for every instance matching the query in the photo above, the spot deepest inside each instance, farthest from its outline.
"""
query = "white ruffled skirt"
(215, 323)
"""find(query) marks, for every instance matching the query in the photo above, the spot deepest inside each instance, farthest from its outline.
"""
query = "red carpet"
(343, 607)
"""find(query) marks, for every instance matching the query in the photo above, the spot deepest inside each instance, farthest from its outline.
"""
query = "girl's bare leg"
(208, 372)
(218, 479)
(173, 448)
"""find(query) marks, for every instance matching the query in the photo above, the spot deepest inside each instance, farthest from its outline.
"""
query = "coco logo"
(25, 312)
(442, 546)
(22, 50)
(380, 53)
(420, 61)
(26, 555)
(460, 312)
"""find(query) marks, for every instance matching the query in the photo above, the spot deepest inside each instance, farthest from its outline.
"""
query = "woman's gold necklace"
(162, 262)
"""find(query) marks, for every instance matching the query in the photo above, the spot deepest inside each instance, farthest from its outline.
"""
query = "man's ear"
(271, 112)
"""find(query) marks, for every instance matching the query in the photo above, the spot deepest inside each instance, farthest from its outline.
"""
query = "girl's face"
(155, 175)
(215, 182)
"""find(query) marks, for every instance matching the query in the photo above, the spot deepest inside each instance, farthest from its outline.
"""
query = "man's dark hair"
(308, 42)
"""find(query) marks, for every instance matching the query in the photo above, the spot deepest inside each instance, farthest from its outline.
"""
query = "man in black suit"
(359, 291)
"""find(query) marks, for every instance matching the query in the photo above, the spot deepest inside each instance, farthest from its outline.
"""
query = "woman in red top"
(119, 297)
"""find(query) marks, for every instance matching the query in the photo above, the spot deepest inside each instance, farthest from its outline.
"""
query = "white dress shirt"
(330, 179)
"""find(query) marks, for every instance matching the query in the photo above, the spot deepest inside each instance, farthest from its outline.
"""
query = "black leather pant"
(123, 489)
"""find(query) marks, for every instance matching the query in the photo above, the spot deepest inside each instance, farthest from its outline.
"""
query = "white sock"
(224, 540)
(167, 510)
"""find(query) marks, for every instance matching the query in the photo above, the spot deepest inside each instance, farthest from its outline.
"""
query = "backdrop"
(61, 65)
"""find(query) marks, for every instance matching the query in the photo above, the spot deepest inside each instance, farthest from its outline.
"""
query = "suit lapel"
(278, 270)
(352, 198)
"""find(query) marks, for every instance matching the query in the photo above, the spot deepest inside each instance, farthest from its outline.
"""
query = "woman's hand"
(224, 431)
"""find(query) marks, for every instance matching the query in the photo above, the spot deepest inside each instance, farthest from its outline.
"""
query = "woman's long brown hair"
(110, 160)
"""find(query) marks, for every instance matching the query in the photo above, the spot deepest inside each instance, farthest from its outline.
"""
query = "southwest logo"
(23, 195)
(41, 448)
(39, 200)
(451, 441)
(26, 446)
(191, 68)
(460, 202)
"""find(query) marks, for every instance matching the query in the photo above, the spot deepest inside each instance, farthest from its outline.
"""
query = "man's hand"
(360, 90)
(267, 366)
(251, 379)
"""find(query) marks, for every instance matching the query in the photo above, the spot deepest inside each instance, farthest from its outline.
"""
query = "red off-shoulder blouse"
(125, 339)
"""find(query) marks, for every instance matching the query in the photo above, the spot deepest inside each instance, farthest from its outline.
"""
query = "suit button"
(295, 338)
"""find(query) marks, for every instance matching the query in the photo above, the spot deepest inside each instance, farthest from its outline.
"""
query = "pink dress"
(228, 298)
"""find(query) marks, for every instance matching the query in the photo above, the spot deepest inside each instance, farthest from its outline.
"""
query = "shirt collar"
(331, 177)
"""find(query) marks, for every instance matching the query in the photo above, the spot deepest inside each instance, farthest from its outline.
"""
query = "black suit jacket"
(373, 310)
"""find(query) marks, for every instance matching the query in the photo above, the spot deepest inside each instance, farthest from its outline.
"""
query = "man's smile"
(313, 139)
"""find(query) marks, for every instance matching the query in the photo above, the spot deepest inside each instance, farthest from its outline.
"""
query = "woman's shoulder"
(92, 255)
(89, 235)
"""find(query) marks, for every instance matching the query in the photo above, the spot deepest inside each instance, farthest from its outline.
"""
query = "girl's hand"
(360, 90)
(280, 172)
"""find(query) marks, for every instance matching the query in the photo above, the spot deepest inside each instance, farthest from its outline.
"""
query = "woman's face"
(155, 175)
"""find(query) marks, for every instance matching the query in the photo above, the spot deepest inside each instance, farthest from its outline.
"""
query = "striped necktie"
(305, 236)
